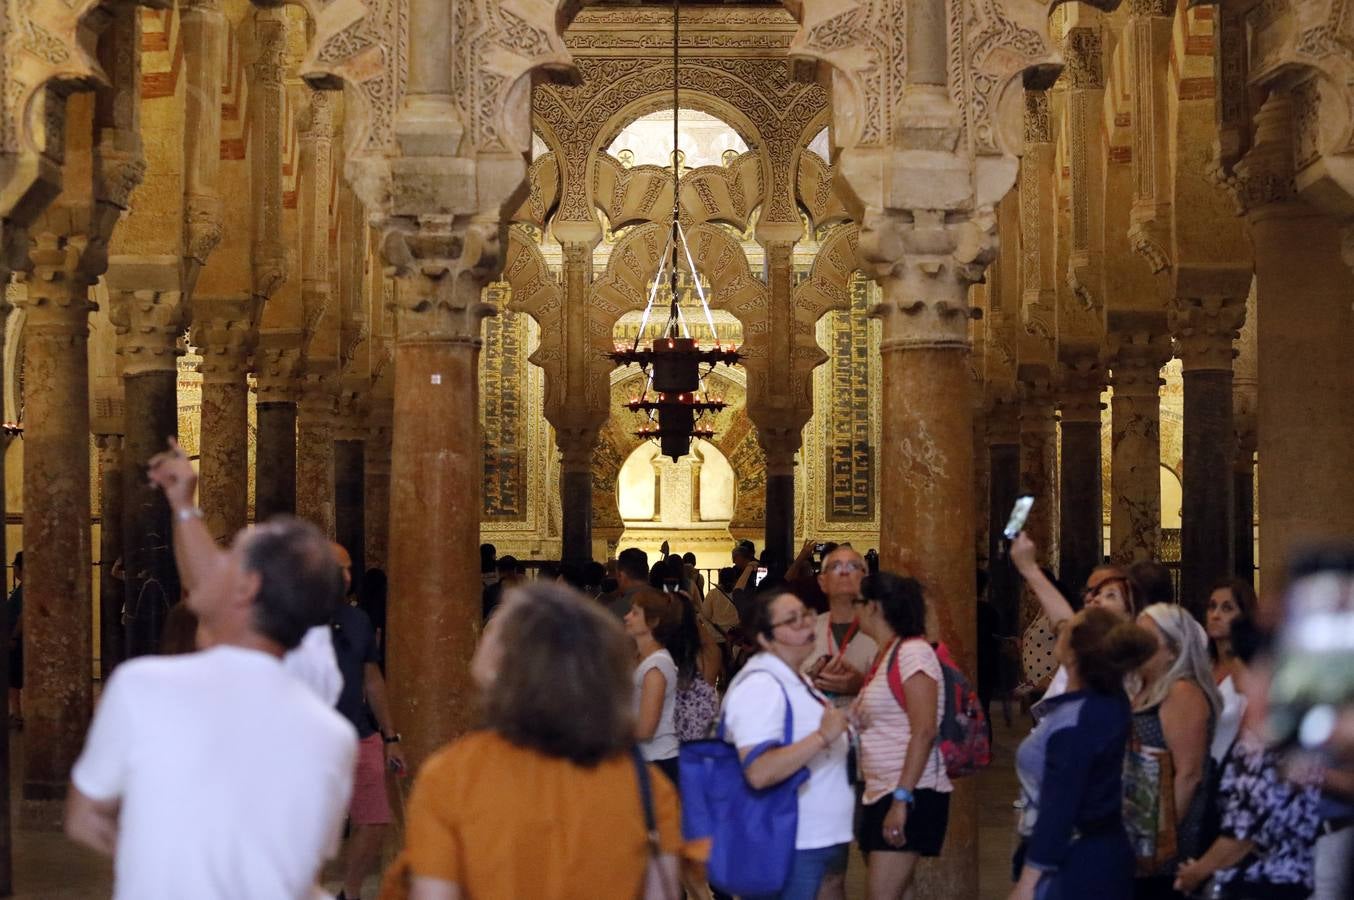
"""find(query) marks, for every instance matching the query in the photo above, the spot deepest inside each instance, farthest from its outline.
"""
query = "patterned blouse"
(1279, 816)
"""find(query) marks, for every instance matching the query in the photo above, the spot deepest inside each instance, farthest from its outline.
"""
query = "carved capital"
(1138, 345)
(277, 365)
(147, 312)
(1081, 379)
(1035, 390)
(577, 443)
(271, 266)
(1264, 177)
(224, 333)
(56, 301)
(120, 167)
(443, 265)
(1082, 51)
(925, 262)
(780, 444)
(1204, 330)
(1150, 240)
(319, 398)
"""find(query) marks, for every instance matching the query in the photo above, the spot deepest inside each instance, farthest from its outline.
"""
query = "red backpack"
(962, 736)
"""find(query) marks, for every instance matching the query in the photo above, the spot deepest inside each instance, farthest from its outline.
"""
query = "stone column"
(1244, 387)
(277, 362)
(1204, 330)
(376, 468)
(58, 690)
(435, 485)
(350, 525)
(148, 315)
(1080, 526)
(223, 332)
(780, 446)
(1139, 348)
(1039, 458)
(111, 592)
(315, 452)
(1305, 327)
(576, 448)
(926, 457)
(1003, 449)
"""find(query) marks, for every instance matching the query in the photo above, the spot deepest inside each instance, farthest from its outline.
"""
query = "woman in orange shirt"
(544, 801)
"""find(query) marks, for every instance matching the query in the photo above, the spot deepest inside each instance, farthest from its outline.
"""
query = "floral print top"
(1279, 816)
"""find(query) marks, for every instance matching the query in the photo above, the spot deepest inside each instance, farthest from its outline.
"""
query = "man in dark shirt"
(363, 702)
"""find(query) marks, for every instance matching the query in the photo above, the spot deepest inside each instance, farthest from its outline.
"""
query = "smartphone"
(1314, 653)
(819, 547)
(1019, 513)
(761, 573)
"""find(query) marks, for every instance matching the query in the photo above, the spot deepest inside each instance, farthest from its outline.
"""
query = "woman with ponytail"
(1073, 842)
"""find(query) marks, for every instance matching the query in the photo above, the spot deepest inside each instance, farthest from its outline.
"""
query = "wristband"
(188, 512)
(904, 795)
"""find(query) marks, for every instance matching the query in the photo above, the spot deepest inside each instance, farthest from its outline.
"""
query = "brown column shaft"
(1243, 520)
(1003, 581)
(1305, 416)
(223, 487)
(58, 689)
(376, 503)
(1081, 521)
(1206, 507)
(350, 523)
(151, 416)
(1038, 471)
(576, 499)
(780, 506)
(436, 475)
(275, 459)
(315, 459)
(926, 521)
(111, 592)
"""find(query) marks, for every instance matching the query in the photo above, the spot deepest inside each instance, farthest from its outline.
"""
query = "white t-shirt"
(754, 713)
(859, 653)
(233, 777)
(1229, 721)
(883, 744)
(663, 744)
(1058, 686)
(314, 663)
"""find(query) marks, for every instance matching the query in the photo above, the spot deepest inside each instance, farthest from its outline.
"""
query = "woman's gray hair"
(1186, 638)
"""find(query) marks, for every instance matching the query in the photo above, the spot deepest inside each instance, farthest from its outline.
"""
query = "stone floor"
(48, 867)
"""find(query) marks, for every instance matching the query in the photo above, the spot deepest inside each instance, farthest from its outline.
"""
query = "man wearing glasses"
(842, 653)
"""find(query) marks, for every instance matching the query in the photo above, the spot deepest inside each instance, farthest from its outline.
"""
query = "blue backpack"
(752, 832)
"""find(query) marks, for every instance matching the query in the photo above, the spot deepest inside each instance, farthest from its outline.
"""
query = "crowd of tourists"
(646, 733)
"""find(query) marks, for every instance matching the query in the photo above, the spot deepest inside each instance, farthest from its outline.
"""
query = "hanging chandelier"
(675, 401)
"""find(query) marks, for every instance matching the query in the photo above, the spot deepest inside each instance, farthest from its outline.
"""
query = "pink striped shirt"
(883, 745)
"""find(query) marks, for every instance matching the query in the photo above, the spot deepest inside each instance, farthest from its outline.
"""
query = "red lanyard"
(882, 655)
(850, 633)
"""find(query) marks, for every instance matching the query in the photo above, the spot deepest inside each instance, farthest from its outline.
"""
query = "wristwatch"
(188, 512)
(391, 738)
(905, 796)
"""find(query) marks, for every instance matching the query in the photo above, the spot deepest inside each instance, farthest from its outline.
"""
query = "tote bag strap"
(789, 716)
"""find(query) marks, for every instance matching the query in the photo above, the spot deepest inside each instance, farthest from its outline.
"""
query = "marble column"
(926, 459)
(276, 364)
(148, 315)
(1244, 387)
(223, 332)
(1039, 459)
(1305, 411)
(58, 690)
(576, 449)
(1003, 453)
(1305, 327)
(1204, 330)
(111, 592)
(1080, 526)
(376, 468)
(1139, 348)
(315, 452)
(350, 524)
(780, 446)
(436, 489)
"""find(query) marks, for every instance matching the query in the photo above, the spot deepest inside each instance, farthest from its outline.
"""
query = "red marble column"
(1140, 347)
(223, 332)
(58, 689)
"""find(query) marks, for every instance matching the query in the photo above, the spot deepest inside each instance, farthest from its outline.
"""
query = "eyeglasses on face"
(800, 618)
(843, 566)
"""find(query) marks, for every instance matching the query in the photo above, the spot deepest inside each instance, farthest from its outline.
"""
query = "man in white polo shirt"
(217, 774)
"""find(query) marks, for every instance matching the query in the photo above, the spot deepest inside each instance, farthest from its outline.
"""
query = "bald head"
(345, 563)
